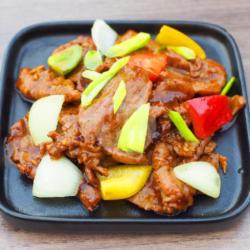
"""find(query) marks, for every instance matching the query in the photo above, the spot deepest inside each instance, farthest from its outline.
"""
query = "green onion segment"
(90, 74)
(95, 87)
(124, 48)
(119, 96)
(228, 86)
(66, 60)
(186, 52)
(134, 132)
(92, 59)
(182, 127)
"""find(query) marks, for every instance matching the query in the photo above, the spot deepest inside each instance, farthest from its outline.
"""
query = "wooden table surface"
(233, 15)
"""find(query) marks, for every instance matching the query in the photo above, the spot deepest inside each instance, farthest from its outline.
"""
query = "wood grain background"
(233, 15)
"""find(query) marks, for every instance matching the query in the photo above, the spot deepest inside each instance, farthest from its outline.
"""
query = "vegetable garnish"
(103, 35)
(123, 181)
(90, 74)
(208, 114)
(56, 178)
(119, 96)
(173, 37)
(182, 127)
(66, 60)
(92, 59)
(201, 176)
(132, 44)
(43, 117)
(153, 64)
(186, 52)
(228, 86)
(99, 83)
(134, 131)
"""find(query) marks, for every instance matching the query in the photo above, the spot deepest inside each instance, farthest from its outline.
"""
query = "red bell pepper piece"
(208, 114)
(153, 64)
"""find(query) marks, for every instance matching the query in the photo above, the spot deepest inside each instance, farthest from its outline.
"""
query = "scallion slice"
(124, 48)
(134, 132)
(66, 60)
(228, 86)
(186, 52)
(95, 87)
(90, 74)
(182, 127)
(92, 59)
(119, 96)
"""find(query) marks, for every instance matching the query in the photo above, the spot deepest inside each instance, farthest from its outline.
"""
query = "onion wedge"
(103, 35)
(43, 117)
(56, 178)
(201, 176)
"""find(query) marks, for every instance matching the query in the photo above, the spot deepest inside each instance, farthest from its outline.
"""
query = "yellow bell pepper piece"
(172, 37)
(123, 181)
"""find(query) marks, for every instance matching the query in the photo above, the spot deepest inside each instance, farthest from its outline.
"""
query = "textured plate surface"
(32, 46)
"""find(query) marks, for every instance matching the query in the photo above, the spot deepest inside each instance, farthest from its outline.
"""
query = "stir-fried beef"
(206, 77)
(85, 42)
(21, 149)
(164, 193)
(237, 103)
(67, 140)
(147, 198)
(40, 82)
(171, 90)
(89, 195)
(89, 135)
(99, 124)
(175, 196)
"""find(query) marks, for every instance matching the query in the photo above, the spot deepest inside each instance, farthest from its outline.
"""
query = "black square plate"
(32, 46)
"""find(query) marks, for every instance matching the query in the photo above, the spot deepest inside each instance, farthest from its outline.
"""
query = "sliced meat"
(147, 198)
(236, 103)
(191, 68)
(26, 155)
(152, 46)
(172, 90)
(163, 156)
(67, 137)
(164, 193)
(175, 195)
(106, 65)
(67, 140)
(21, 149)
(171, 195)
(89, 196)
(207, 77)
(89, 136)
(98, 122)
(181, 147)
(127, 35)
(40, 82)
(85, 42)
